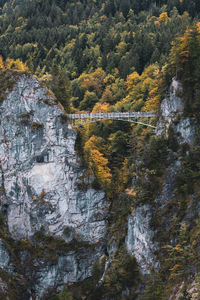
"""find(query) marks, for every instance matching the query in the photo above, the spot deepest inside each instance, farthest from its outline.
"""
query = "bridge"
(133, 117)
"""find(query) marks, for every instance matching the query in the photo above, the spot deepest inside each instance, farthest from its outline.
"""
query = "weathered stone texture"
(39, 182)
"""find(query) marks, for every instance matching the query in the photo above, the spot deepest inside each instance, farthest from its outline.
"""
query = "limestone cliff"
(173, 212)
(140, 239)
(172, 114)
(40, 174)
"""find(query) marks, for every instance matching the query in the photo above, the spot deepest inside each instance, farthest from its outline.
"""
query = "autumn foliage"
(184, 63)
(12, 64)
(98, 164)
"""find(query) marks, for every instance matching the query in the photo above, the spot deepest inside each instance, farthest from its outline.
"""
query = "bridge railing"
(112, 115)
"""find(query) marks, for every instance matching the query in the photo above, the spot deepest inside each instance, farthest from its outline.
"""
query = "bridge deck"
(112, 115)
(86, 118)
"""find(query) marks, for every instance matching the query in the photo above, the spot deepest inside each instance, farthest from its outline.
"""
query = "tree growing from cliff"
(184, 62)
(61, 87)
(97, 162)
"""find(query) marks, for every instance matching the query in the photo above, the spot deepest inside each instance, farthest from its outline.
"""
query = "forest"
(101, 56)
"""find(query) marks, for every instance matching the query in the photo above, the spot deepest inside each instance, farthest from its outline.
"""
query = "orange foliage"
(81, 112)
(107, 96)
(98, 164)
(185, 47)
(152, 104)
(132, 79)
(153, 101)
(162, 19)
(100, 107)
(93, 80)
(198, 27)
(1, 63)
(16, 65)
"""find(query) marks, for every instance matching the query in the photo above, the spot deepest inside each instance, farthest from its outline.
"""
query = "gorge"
(55, 230)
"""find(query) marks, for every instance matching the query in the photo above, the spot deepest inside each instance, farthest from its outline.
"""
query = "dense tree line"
(108, 40)
(83, 35)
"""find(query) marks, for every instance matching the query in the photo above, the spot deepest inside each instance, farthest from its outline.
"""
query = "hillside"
(109, 210)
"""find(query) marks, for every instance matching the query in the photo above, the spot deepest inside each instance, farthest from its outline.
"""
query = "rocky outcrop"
(4, 256)
(185, 131)
(139, 240)
(168, 186)
(71, 267)
(171, 114)
(140, 237)
(39, 182)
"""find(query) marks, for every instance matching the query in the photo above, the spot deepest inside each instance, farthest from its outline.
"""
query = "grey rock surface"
(168, 187)
(139, 241)
(70, 268)
(172, 110)
(185, 130)
(171, 107)
(39, 176)
(4, 256)
(40, 170)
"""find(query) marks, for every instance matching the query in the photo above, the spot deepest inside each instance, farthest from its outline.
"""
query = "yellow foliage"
(121, 47)
(95, 51)
(94, 142)
(46, 78)
(116, 71)
(103, 6)
(151, 71)
(178, 248)
(107, 95)
(109, 79)
(142, 90)
(182, 52)
(73, 27)
(98, 164)
(132, 80)
(123, 176)
(1, 63)
(162, 19)
(152, 104)
(156, 22)
(91, 143)
(100, 107)
(153, 91)
(69, 46)
(99, 73)
(198, 26)
(16, 65)
(175, 268)
(94, 80)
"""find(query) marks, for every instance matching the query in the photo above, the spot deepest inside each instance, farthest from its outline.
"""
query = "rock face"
(168, 186)
(70, 268)
(39, 179)
(139, 240)
(4, 255)
(172, 104)
(172, 110)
